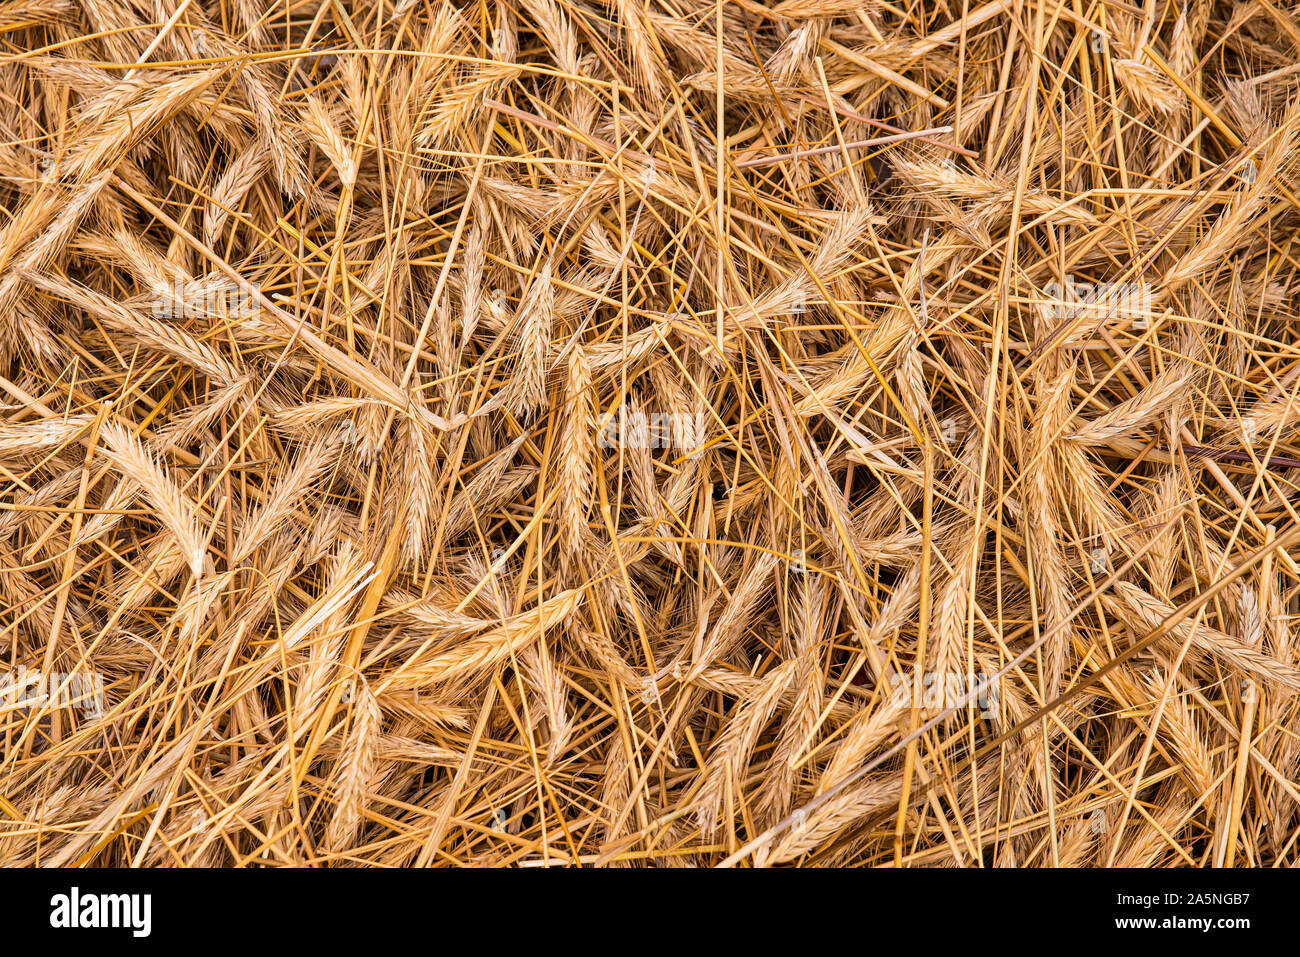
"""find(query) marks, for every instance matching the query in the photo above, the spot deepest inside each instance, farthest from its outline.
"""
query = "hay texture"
(649, 432)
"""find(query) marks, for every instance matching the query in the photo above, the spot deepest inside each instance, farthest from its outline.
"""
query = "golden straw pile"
(649, 433)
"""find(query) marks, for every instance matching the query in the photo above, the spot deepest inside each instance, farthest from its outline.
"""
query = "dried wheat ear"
(660, 433)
